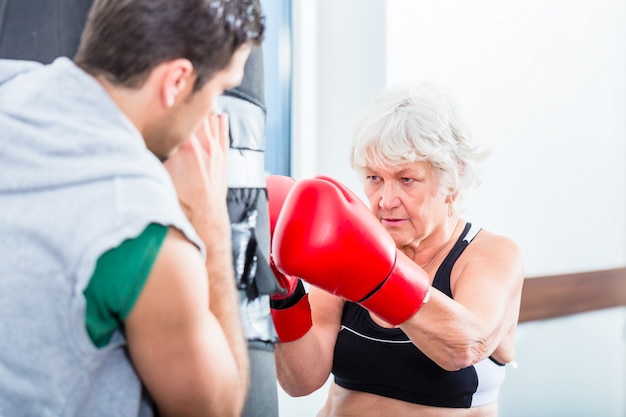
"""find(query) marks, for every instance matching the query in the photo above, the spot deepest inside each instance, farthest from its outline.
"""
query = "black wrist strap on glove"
(291, 300)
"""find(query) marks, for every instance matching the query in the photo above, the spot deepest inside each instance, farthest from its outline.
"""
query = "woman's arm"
(486, 285)
(304, 365)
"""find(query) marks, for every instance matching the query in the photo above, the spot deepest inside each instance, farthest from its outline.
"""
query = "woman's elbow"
(457, 362)
(463, 357)
(300, 388)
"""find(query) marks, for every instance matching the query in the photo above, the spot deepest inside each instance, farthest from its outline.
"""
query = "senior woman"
(430, 337)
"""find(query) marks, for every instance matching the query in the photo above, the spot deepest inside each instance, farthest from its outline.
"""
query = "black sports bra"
(383, 361)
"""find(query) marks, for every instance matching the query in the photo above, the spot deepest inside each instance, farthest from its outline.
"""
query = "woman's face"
(407, 200)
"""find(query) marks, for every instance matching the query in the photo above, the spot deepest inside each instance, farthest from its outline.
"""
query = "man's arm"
(198, 171)
(179, 347)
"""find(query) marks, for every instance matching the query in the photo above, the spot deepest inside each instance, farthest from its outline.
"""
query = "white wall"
(542, 84)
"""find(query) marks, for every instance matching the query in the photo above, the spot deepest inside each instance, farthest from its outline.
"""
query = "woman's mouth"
(391, 221)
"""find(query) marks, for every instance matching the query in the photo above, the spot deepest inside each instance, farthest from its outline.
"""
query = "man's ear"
(177, 76)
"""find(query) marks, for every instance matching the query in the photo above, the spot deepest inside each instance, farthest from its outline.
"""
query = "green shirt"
(117, 282)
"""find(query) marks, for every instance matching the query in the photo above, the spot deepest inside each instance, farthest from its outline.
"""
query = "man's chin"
(163, 157)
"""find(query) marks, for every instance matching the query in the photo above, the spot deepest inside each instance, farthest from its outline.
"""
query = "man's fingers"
(213, 132)
(204, 133)
(223, 131)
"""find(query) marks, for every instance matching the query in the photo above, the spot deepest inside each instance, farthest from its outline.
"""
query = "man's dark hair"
(124, 40)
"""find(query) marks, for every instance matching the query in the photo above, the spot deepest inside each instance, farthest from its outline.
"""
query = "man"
(41, 30)
(106, 304)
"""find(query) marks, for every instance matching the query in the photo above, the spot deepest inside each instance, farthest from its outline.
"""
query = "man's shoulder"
(10, 68)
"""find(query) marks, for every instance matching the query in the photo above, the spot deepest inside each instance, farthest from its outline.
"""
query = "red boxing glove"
(278, 187)
(328, 236)
(290, 309)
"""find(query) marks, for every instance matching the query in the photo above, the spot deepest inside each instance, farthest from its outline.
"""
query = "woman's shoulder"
(490, 256)
(489, 238)
(489, 245)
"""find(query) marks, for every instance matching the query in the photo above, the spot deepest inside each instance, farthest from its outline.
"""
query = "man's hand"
(199, 171)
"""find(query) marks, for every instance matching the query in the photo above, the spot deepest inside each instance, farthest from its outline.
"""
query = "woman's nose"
(388, 197)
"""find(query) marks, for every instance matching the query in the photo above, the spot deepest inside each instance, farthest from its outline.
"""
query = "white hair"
(406, 124)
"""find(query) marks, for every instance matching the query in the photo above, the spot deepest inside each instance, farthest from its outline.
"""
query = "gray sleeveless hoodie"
(76, 179)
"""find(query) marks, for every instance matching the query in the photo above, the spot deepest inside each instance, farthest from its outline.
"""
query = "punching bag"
(249, 216)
